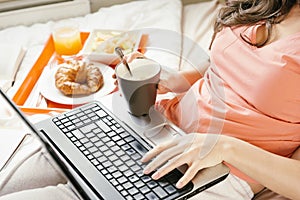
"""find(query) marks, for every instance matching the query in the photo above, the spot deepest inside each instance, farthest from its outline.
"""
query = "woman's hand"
(196, 150)
(170, 80)
(134, 55)
(129, 58)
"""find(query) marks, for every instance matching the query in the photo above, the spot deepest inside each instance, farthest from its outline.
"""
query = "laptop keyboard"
(116, 154)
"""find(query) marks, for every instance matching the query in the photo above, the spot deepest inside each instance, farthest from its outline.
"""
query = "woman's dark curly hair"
(250, 12)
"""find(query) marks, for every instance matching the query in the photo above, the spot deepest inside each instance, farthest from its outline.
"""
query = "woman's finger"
(172, 164)
(188, 175)
(157, 150)
(116, 83)
(163, 158)
(162, 89)
(130, 57)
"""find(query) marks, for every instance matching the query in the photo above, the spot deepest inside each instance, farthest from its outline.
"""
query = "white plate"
(103, 51)
(50, 92)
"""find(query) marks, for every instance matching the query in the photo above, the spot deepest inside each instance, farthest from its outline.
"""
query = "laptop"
(100, 156)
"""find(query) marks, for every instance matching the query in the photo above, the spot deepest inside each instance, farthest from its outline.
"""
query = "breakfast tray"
(34, 74)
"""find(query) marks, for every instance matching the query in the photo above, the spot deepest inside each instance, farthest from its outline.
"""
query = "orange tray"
(34, 74)
(32, 111)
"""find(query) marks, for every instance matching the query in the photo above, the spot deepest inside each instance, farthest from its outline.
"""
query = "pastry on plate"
(78, 78)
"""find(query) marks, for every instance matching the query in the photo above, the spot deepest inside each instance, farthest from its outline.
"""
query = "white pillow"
(197, 28)
(165, 14)
(197, 21)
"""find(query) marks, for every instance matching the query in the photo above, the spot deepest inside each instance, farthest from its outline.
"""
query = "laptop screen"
(9, 118)
(12, 119)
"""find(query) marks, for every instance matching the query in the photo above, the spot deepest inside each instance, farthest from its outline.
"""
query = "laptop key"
(152, 184)
(102, 159)
(117, 174)
(138, 147)
(151, 196)
(114, 182)
(124, 193)
(139, 184)
(75, 121)
(118, 163)
(136, 156)
(128, 173)
(133, 191)
(138, 197)
(122, 180)
(68, 124)
(133, 178)
(94, 139)
(119, 187)
(101, 113)
(123, 168)
(113, 157)
(88, 128)
(162, 182)
(160, 192)
(146, 178)
(90, 135)
(135, 168)
(127, 185)
(109, 176)
(144, 189)
(92, 149)
(84, 140)
(112, 169)
(103, 126)
(88, 144)
(78, 124)
(107, 164)
(129, 198)
(97, 154)
(170, 189)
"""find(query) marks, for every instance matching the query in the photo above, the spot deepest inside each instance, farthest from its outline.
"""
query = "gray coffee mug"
(140, 88)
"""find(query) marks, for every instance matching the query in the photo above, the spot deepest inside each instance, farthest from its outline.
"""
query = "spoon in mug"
(119, 51)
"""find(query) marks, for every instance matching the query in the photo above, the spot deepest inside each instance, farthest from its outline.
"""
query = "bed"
(186, 30)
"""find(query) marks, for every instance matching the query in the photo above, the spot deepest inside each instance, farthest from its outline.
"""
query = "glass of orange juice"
(67, 39)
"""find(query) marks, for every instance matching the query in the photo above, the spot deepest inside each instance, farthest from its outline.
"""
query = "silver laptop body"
(85, 148)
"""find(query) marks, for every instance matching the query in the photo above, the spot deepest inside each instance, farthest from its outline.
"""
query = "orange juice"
(67, 40)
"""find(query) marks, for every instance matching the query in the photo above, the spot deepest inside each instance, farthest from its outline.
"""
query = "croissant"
(78, 78)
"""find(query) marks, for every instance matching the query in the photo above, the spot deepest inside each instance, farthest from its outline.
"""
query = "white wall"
(96, 4)
(45, 13)
(57, 11)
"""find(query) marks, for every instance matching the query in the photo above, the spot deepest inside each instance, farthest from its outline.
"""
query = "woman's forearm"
(277, 173)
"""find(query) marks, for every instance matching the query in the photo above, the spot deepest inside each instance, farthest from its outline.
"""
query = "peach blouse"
(249, 93)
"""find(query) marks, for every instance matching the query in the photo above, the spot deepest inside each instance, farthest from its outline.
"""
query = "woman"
(234, 98)
(248, 97)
